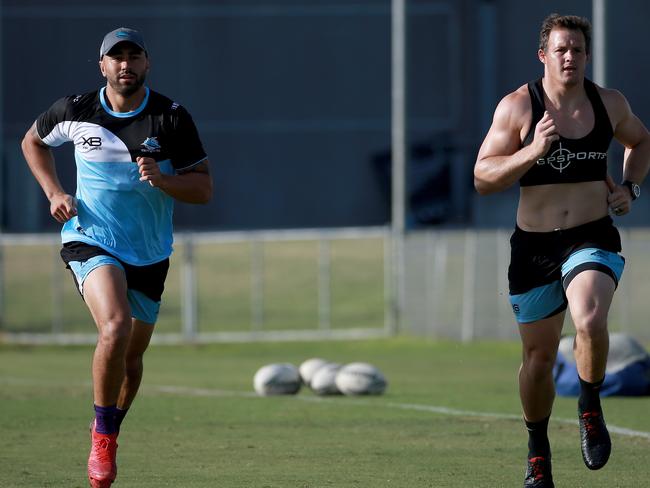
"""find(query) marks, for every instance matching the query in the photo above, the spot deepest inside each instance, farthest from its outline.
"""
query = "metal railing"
(306, 285)
(194, 326)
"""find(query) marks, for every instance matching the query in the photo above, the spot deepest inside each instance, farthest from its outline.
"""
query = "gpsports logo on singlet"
(151, 145)
(561, 158)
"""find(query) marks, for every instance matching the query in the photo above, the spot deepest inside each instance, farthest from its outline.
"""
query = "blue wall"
(292, 99)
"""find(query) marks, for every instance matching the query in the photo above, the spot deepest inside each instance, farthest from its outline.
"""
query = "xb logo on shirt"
(150, 145)
(91, 143)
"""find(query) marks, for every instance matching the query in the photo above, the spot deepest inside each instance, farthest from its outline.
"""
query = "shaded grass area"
(40, 294)
(218, 434)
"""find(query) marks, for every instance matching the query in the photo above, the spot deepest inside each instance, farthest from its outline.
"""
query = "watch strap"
(635, 190)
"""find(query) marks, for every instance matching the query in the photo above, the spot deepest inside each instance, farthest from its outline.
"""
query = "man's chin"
(572, 76)
(127, 90)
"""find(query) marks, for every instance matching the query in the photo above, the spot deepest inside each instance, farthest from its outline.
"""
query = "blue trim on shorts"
(82, 269)
(539, 303)
(143, 308)
(610, 260)
(547, 300)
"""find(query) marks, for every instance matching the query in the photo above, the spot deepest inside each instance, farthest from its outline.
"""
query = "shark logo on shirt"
(151, 145)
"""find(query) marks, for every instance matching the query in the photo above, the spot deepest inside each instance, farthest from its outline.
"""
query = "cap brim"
(110, 47)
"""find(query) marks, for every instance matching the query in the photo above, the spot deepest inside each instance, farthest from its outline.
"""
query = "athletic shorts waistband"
(605, 221)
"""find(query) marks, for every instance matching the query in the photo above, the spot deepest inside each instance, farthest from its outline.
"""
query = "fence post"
(57, 293)
(394, 285)
(502, 295)
(257, 284)
(388, 283)
(324, 284)
(469, 286)
(438, 275)
(188, 290)
(2, 283)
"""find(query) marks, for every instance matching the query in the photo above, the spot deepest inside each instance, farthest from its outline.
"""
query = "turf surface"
(197, 424)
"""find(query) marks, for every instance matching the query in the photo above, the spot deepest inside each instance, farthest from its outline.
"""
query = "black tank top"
(570, 160)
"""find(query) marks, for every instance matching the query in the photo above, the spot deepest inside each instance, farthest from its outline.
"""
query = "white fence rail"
(457, 286)
(304, 285)
(190, 284)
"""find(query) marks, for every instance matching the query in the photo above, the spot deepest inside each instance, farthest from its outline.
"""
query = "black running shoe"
(594, 439)
(538, 473)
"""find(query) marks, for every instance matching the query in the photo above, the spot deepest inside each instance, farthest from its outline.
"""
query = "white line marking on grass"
(200, 392)
(209, 392)
(505, 416)
(205, 392)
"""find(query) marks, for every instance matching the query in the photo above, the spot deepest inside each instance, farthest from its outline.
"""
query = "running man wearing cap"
(552, 136)
(136, 151)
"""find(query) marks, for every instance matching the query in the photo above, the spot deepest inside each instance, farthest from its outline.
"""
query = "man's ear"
(541, 55)
(101, 67)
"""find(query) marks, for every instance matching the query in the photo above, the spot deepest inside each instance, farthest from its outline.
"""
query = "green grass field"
(33, 274)
(450, 418)
(38, 294)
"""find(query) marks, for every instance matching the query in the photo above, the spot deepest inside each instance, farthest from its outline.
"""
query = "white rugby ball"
(324, 380)
(277, 379)
(309, 367)
(360, 379)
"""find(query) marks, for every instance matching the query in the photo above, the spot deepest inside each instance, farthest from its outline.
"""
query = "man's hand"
(150, 171)
(63, 207)
(545, 134)
(619, 198)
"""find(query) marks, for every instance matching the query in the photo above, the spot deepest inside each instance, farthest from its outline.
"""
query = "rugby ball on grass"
(324, 380)
(277, 379)
(309, 367)
(360, 379)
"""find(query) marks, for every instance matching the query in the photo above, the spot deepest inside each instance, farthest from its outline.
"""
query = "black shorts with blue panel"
(543, 264)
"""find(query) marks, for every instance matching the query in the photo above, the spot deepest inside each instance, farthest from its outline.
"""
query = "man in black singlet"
(552, 136)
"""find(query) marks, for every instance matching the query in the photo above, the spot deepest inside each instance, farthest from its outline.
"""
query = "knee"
(114, 334)
(538, 362)
(590, 322)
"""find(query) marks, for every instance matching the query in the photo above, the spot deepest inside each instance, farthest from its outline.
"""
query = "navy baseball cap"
(121, 34)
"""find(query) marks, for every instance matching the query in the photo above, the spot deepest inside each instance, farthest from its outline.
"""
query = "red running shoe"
(538, 473)
(102, 466)
(594, 439)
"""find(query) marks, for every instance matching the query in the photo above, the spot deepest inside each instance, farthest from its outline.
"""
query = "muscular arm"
(502, 161)
(193, 186)
(41, 163)
(631, 132)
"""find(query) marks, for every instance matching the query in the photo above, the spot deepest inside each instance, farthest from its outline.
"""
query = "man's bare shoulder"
(517, 101)
(615, 102)
(514, 110)
(611, 96)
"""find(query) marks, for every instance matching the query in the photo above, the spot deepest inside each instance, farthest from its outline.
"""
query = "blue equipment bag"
(627, 373)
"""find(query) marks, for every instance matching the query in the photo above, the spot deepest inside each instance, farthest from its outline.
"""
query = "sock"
(105, 419)
(538, 444)
(119, 416)
(589, 400)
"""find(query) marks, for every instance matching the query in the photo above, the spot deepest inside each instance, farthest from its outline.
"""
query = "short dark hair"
(571, 22)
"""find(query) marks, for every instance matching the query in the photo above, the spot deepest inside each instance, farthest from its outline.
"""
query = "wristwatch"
(635, 190)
